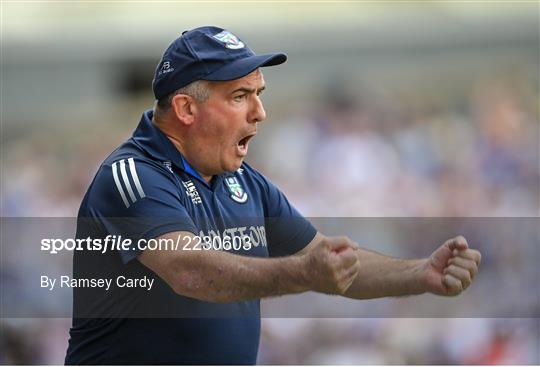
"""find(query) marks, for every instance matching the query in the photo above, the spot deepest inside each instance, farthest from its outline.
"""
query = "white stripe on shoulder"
(118, 185)
(136, 177)
(126, 181)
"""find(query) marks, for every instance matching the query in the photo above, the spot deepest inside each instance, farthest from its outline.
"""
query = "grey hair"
(199, 89)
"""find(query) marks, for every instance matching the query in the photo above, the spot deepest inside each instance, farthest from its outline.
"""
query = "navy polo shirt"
(145, 189)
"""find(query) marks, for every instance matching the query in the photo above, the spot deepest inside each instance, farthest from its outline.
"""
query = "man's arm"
(448, 271)
(218, 276)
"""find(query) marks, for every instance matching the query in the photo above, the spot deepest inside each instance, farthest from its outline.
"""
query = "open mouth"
(243, 144)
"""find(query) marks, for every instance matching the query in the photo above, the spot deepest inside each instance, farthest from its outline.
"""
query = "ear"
(184, 108)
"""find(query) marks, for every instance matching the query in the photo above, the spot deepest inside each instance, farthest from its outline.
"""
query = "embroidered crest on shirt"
(237, 191)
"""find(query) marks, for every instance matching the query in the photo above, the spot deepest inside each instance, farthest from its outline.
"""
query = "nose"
(257, 112)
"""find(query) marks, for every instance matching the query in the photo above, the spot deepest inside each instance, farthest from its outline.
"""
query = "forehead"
(254, 80)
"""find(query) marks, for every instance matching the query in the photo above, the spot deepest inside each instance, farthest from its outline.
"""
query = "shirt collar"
(155, 143)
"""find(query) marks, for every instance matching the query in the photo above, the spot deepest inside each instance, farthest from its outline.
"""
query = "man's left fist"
(452, 267)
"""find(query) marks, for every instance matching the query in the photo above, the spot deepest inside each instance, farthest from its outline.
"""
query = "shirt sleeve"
(137, 199)
(287, 231)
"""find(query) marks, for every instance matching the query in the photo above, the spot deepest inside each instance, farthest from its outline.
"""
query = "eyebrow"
(248, 90)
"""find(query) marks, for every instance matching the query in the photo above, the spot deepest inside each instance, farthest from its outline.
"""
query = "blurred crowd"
(382, 154)
(399, 341)
(411, 154)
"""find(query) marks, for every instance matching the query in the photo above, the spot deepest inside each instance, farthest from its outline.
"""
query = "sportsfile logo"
(191, 191)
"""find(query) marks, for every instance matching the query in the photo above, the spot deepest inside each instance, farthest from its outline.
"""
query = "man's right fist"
(332, 265)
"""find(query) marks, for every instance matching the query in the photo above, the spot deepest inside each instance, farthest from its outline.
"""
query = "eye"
(260, 92)
(239, 98)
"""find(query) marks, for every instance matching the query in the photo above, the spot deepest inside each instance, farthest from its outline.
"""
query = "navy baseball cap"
(207, 53)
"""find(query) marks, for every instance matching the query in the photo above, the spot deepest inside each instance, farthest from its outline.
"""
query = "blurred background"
(393, 109)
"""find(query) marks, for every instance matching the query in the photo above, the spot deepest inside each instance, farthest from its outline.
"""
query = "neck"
(177, 142)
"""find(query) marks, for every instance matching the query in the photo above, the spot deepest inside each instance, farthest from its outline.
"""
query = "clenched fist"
(451, 268)
(332, 265)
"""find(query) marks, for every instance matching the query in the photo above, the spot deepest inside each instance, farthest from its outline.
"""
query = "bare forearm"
(223, 277)
(384, 276)
(329, 265)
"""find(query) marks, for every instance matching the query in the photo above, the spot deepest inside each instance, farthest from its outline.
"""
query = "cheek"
(208, 127)
(219, 127)
(215, 140)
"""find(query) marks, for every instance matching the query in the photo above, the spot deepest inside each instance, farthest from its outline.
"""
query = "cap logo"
(230, 40)
(165, 68)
